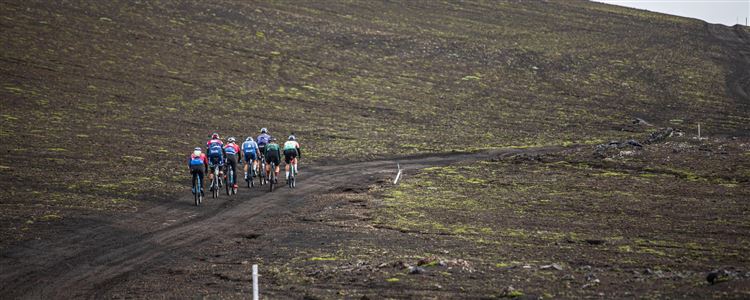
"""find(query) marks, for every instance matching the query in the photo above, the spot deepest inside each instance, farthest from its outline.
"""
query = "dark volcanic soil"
(494, 108)
(101, 253)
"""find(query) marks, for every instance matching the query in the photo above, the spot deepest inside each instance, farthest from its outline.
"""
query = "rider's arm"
(299, 151)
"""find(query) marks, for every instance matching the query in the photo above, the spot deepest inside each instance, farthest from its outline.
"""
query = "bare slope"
(101, 101)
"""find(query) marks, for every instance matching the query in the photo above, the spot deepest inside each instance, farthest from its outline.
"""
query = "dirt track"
(736, 40)
(64, 267)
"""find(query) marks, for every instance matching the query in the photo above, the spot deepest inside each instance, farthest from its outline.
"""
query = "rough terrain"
(501, 111)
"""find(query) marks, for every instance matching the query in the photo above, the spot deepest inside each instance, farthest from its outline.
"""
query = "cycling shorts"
(215, 161)
(289, 154)
(273, 156)
(250, 156)
(197, 169)
(232, 160)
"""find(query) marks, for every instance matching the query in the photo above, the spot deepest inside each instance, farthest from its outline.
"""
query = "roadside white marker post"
(399, 173)
(699, 131)
(255, 282)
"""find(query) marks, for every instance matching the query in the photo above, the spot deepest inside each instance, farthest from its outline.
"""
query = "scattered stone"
(510, 292)
(719, 276)
(416, 270)
(660, 135)
(569, 277)
(427, 261)
(595, 242)
(585, 268)
(639, 121)
(552, 266)
(244, 262)
(591, 278)
(383, 265)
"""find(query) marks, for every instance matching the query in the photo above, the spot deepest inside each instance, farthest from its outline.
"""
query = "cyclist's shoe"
(245, 176)
(235, 186)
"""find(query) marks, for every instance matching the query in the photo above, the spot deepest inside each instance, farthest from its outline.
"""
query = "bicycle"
(292, 170)
(250, 175)
(229, 181)
(197, 193)
(272, 177)
(262, 164)
(215, 183)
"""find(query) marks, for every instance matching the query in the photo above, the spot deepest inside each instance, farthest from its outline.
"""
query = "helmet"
(249, 139)
(273, 139)
(231, 139)
(263, 130)
(215, 135)
(291, 137)
(197, 151)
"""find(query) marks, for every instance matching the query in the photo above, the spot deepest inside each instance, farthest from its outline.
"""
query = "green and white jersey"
(290, 145)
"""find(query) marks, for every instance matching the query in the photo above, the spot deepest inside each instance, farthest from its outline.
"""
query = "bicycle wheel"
(226, 182)
(249, 179)
(292, 177)
(232, 181)
(215, 183)
(262, 177)
(272, 177)
(196, 189)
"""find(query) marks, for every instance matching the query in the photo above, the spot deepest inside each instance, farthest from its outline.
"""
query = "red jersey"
(196, 160)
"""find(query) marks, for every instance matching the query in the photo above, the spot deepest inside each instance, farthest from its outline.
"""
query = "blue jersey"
(263, 139)
(215, 150)
(249, 147)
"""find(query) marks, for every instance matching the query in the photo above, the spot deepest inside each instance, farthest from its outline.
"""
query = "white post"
(255, 282)
(397, 175)
(699, 131)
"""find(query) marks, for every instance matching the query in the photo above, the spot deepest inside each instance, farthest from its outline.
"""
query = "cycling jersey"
(273, 153)
(263, 139)
(249, 147)
(231, 149)
(273, 148)
(215, 148)
(288, 145)
(197, 160)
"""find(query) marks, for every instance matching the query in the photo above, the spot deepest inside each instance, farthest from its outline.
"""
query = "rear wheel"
(227, 182)
(272, 177)
(196, 189)
(262, 175)
(290, 180)
(215, 184)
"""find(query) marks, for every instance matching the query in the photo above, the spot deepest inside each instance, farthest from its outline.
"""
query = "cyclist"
(273, 154)
(251, 152)
(291, 151)
(215, 149)
(198, 163)
(233, 154)
(263, 139)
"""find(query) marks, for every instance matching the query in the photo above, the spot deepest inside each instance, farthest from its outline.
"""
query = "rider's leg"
(200, 179)
(286, 171)
(246, 163)
(234, 172)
